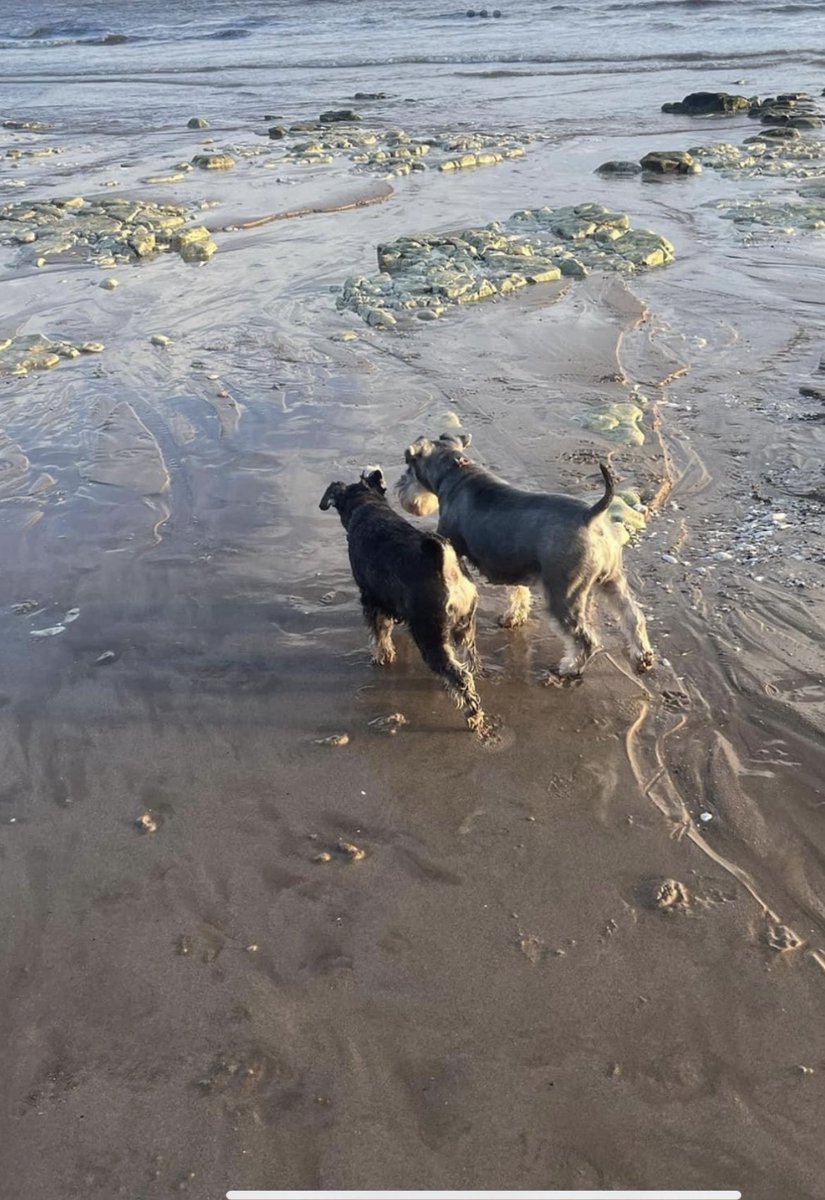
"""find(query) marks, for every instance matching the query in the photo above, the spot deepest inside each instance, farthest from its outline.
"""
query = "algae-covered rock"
(277, 132)
(701, 104)
(618, 421)
(194, 244)
(109, 232)
(34, 352)
(197, 123)
(670, 162)
(427, 273)
(213, 162)
(336, 115)
(783, 134)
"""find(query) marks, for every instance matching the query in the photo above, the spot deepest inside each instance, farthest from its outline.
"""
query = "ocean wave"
(586, 63)
(225, 35)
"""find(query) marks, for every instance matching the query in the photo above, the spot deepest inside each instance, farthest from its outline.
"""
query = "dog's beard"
(414, 498)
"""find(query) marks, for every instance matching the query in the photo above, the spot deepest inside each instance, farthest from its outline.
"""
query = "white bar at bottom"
(480, 1194)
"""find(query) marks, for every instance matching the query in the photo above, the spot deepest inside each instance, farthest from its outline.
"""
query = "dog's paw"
(509, 620)
(383, 658)
(645, 662)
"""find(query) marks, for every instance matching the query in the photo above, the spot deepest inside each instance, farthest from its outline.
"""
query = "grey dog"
(519, 538)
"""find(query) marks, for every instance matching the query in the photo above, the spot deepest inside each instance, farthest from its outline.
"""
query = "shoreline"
(512, 965)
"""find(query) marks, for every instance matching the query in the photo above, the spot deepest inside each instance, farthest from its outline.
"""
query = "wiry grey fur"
(519, 538)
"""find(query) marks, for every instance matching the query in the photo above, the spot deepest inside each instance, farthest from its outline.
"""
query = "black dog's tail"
(609, 492)
(440, 552)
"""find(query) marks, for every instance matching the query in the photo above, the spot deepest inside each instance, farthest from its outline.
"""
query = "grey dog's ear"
(458, 438)
(373, 477)
(420, 446)
(332, 496)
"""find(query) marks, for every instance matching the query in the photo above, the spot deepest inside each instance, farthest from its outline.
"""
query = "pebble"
(353, 852)
(390, 724)
(108, 284)
(160, 339)
(323, 857)
(335, 739)
(147, 823)
(107, 657)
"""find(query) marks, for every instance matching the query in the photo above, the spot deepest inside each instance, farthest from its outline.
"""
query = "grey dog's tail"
(609, 492)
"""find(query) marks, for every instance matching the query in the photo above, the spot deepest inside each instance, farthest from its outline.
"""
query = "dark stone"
(774, 135)
(805, 121)
(701, 104)
(670, 162)
(370, 96)
(197, 123)
(304, 127)
(277, 132)
(338, 114)
(619, 167)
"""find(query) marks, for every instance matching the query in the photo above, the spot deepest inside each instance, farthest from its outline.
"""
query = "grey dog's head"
(427, 463)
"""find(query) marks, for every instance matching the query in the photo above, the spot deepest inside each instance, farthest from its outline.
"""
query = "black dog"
(406, 575)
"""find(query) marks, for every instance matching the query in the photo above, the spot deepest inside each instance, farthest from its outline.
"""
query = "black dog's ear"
(373, 477)
(420, 446)
(332, 496)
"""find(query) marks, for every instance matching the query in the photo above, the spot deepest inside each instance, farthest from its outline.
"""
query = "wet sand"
(503, 992)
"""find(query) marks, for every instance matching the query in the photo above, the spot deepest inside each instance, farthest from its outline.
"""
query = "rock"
(619, 167)
(370, 96)
(143, 243)
(670, 162)
(277, 132)
(390, 724)
(93, 347)
(194, 244)
(335, 115)
(160, 339)
(805, 121)
(213, 162)
(147, 823)
(430, 271)
(106, 658)
(354, 853)
(335, 739)
(700, 104)
(785, 134)
(323, 857)
(108, 284)
(197, 123)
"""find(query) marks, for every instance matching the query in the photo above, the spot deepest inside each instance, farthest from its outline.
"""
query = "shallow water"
(490, 984)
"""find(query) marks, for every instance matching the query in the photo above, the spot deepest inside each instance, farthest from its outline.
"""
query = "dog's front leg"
(518, 609)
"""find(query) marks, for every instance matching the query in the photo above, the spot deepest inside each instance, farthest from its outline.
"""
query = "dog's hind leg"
(464, 636)
(571, 612)
(518, 609)
(632, 621)
(380, 626)
(440, 657)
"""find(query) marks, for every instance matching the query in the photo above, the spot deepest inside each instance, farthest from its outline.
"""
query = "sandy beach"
(592, 956)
